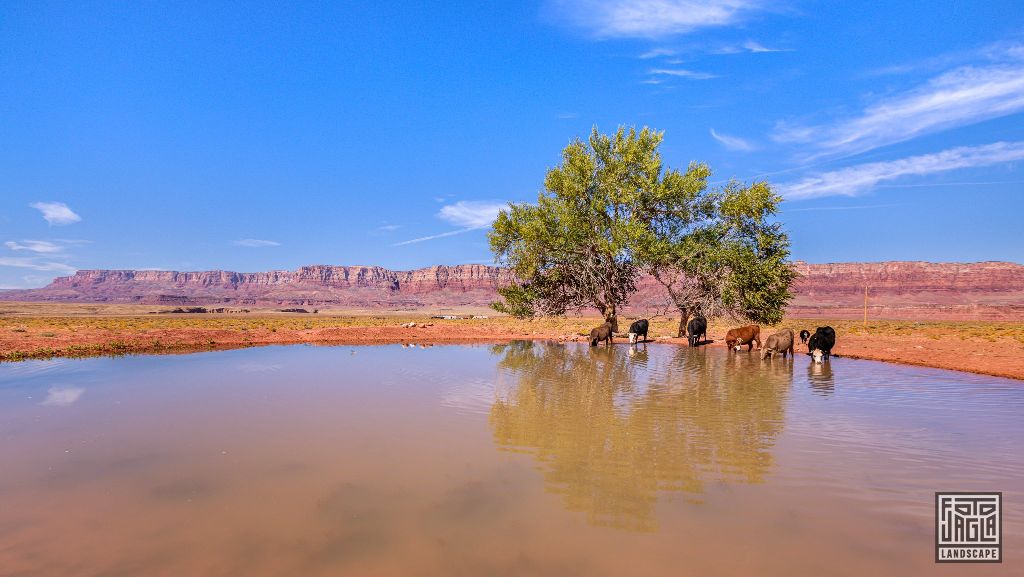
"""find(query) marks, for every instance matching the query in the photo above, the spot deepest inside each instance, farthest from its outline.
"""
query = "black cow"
(637, 329)
(820, 344)
(804, 335)
(697, 329)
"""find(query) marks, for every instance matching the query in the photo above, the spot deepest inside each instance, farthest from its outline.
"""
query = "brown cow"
(602, 333)
(780, 342)
(736, 338)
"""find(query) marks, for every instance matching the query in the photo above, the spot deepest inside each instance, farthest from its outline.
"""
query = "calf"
(780, 342)
(637, 329)
(736, 338)
(820, 344)
(601, 333)
(804, 335)
(696, 329)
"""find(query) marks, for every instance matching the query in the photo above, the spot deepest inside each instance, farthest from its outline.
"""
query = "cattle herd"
(819, 343)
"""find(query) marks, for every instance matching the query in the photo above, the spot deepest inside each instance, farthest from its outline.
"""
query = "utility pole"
(865, 306)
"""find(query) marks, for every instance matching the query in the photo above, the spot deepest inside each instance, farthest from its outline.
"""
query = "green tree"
(729, 258)
(611, 210)
(572, 249)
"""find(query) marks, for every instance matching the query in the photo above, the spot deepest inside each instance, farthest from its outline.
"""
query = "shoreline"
(995, 349)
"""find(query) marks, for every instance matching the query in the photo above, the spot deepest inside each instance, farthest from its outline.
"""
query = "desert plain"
(46, 330)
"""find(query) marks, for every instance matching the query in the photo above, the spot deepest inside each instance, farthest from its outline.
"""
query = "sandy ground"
(43, 331)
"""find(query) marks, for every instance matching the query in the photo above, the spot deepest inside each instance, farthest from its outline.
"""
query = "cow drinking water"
(601, 333)
(780, 342)
(638, 329)
(697, 329)
(736, 338)
(820, 344)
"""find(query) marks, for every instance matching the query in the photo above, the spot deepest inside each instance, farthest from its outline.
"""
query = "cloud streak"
(681, 73)
(433, 236)
(750, 46)
(657, 53)
(37, 246)
(650, 18)
(255, 243)
(56, 212)
(36, 263)
(472, 213)
(469, 214)
(862, 178)
(732, 142)
(960, 97)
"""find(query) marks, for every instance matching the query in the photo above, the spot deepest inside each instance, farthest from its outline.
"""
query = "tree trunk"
(683, 319)
(609, 317)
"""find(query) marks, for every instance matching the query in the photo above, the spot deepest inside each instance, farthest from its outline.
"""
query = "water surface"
(518, 459)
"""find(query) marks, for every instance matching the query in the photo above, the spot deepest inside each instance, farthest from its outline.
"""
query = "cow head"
(818, 356)
(632, 338)
(765, 352)
(738, 345)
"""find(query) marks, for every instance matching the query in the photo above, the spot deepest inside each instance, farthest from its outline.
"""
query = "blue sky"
(249, 136)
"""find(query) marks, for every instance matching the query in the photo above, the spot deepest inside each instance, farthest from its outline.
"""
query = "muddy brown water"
(517, 459)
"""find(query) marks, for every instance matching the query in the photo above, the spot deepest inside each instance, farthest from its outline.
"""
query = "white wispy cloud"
(959, 97)
(862, 178)
(750, 46)
(433, 236)
(650, 18)
(38, 246)
(756, 47)
(57, 246)
(732, 142)
(657, 53)
(36, 263)
(255, 243)
(833, 208)
(56, 212)
(389, 227)
(681, 73)
(469, 214)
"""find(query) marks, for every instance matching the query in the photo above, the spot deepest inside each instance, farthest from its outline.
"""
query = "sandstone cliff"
(985, 290)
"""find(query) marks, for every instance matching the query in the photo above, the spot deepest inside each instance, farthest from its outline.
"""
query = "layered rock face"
(926, 290)
(350, 286)
(963, 291)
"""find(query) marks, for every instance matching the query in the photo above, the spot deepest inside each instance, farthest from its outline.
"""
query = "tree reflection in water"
(611, 430)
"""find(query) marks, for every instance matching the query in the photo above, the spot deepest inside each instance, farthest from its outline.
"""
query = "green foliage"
(731, 259)
(611, 210)
(573, 248)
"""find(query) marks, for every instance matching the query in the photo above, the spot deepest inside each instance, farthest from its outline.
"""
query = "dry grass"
(964, 330)
(41, 330)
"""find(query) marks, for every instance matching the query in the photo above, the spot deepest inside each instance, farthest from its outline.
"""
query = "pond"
(513, 459)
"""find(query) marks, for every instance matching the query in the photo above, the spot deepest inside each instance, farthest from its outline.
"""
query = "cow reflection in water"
(611, 431)
(638, 354)
(821, 379)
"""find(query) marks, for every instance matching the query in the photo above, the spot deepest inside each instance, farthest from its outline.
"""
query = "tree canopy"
(611, 210)
(730, 259)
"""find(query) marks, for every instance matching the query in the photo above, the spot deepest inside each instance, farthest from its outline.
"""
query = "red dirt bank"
(979, 350)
